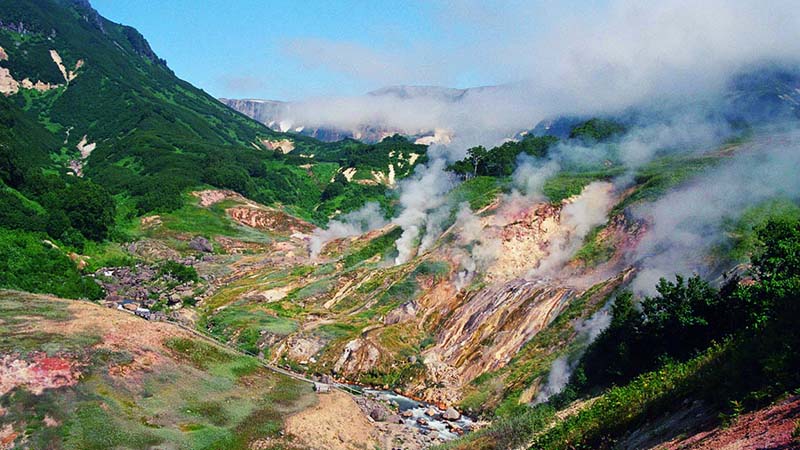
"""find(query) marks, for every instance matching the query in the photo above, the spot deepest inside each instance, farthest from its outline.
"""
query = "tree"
(90, 209)
(476, 155)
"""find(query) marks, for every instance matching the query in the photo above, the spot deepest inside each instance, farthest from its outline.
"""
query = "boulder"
(407, 413)
(451, 414)
(431, 412)
(201, 244)
(378, 414)
(394, 418)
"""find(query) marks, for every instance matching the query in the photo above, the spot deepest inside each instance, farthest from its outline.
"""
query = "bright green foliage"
(758, 320)
(29, 264)
(501, 160)
(156, 135)
(595, 250)
(564, 185)
(180, 272)
(743, 231)
(685, 317)
(597, 130)
(656, 178)
(478, 191)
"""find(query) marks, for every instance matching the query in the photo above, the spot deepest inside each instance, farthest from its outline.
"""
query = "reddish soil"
(40, 373)
(269, 220)
(775, 428)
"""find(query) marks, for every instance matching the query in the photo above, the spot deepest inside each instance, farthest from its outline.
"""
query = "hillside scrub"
(733, 347)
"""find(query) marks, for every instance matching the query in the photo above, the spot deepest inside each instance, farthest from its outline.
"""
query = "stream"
(418, 410)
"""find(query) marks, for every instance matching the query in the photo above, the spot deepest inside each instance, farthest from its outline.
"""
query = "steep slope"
(124, 118)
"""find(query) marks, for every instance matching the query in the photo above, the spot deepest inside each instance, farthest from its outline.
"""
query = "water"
(418, 409)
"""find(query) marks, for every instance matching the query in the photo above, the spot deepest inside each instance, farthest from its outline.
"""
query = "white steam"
(369, 217)
(578, 218)
(686, 223)
(623, 53)
(422, 193)
(563, 366)
(478, 247)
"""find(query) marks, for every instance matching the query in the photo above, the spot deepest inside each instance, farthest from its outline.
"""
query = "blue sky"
(245, 47)
(288, 49)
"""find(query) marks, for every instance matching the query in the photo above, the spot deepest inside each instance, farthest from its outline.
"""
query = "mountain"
(125, 120)
(280, 116)
(212, 260)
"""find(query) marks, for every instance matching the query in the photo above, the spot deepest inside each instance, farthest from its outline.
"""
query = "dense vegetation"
(500, 161)
(673, 335)
(597, 130)
(735, 348)
(156, 138)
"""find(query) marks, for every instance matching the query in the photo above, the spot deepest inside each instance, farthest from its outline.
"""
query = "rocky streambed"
(422, 418)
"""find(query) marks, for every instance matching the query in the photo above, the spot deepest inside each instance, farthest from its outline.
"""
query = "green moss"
(567, 184)
(594, 251)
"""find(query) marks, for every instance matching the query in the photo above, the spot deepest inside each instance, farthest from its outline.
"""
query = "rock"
(455, 429)
(130, 306)
(422, 421)
(378, 414)
(451, 414)
(431, 412)
(201, 244)
(407, 413)
(394, 418)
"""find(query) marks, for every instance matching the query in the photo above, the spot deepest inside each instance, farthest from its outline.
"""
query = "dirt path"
(335, 423)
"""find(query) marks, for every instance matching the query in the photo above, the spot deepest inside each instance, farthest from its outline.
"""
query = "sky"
(550, 58)
(292, 50)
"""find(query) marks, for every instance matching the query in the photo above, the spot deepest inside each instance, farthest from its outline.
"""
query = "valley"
(418, 267)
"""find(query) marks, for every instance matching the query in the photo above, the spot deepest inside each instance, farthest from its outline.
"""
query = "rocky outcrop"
(358, 356)
(269, 219)
(493, 324)
(8, 85)
(282, 146)
(201, 244)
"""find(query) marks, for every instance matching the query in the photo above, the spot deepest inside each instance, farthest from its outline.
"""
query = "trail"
(297, 376)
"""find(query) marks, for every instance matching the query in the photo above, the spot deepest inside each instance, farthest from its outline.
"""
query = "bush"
(180, 272)
(28, 264)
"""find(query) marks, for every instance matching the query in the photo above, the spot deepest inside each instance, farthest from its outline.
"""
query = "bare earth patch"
(335, 423)
(43, 372)
(773, 427)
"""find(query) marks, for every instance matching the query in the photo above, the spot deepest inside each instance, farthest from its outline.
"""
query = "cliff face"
(264, 111)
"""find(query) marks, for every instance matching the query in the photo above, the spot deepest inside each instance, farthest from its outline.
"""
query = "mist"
(420, 194)
(686, 224)
(625, 54)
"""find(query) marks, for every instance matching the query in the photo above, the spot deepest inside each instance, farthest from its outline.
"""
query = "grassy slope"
(164, 388)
